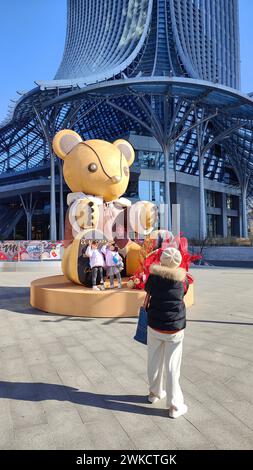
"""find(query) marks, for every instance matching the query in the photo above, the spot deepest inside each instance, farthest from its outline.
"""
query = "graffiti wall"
(30, 250)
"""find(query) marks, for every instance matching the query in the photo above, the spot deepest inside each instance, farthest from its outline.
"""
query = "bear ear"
(64, 141)
(127, 150)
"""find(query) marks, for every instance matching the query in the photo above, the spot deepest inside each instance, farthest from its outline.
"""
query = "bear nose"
(116, 179)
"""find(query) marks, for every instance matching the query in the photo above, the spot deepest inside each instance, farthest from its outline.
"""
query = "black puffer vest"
(166, 310)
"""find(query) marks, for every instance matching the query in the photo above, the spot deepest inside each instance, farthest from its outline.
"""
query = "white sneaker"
(95, 288)
(101, 287)
(176, 412)
(152, 398)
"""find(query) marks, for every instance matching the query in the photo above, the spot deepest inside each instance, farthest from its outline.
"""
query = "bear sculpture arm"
(84, 215)
(143, 217)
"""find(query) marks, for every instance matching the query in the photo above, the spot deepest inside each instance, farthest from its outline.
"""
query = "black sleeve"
(149, 283)
(186, 285)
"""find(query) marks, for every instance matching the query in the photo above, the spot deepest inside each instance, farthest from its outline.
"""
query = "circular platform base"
(55, 294)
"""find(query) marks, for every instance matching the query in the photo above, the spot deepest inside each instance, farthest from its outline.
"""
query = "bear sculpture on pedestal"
(97, 173)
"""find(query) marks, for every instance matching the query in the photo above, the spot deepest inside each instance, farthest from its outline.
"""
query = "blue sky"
(32, 35)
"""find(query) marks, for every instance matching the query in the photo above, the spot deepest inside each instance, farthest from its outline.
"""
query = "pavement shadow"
(28, 391)
(17, 300)
(221, 322)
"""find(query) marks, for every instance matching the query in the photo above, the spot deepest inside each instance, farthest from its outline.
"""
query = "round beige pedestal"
(55, 294)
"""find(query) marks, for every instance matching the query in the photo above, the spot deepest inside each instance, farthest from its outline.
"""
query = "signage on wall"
(30, 250)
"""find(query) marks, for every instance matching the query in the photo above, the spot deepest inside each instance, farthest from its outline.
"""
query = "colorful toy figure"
(97, 173)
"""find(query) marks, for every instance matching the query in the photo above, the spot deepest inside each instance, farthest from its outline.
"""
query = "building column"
(61, 217)
(224, 215)
(245, 233)
(48, 139)
(53, 234)
(202, 201)
(167, 208)
(29, 210)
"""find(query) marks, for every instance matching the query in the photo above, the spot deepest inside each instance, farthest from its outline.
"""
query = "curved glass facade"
(193, 38)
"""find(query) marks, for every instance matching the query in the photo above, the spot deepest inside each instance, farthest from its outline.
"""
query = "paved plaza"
(76, 383)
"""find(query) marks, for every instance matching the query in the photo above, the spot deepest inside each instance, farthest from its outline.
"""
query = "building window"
(151, 191)
(210, 199)
(149, 160)
(230, 201)
(211, 225)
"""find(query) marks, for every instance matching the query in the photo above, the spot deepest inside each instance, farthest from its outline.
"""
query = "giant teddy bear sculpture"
(97, 173)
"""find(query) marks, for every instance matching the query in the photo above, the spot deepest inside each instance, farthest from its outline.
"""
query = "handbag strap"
(146, 301)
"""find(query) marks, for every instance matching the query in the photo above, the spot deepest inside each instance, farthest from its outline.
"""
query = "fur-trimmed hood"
(178, 274)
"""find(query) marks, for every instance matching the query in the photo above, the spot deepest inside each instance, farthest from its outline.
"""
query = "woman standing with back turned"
(166, 287)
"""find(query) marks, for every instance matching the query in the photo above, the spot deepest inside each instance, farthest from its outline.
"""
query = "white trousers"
(164, 355)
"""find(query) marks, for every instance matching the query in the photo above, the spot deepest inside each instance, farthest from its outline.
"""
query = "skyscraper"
(191, 38)
(151, 71)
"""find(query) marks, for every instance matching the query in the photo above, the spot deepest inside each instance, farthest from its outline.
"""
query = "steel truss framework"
(188, 118)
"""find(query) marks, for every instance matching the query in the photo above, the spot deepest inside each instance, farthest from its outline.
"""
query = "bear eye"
(92, 167)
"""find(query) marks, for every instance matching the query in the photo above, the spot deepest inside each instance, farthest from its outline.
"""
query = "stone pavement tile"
(221, 372)
(35, 357)
(79, 353)
(135, 363)
(242, 389)
(59, 361)
(69, 437)
(236, 340)
(72, 377)
(183, 433)
(224, 437)
(227, 416)
(109, 435)
(193, 373)
(12, 367)
(142, 428)
(130, 380)
(68, 341)
(41, 330)
(27, 345)
(92, 407)
(57, 418)
(213, 419)
(107, 359)
(217, 391)
(12, 351)
(5, 412)
(25, 334)
(52, 348)
(27, 413)
(221, 358)
(95, 371)
(243, 410)
(34, 437)
(46, 373)
(193, 391)
(239, 351)
(7, 339)
(44, 339)
(96, 345)
(6, 438)
(245, 376)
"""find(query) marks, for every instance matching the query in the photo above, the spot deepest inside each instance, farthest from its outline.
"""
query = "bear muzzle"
(116, 179)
